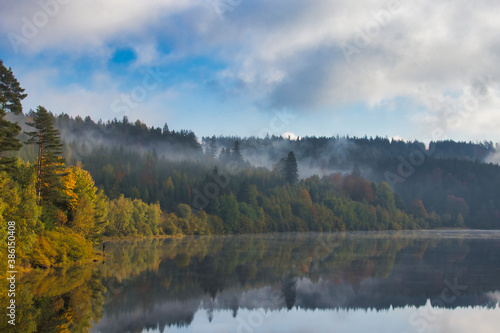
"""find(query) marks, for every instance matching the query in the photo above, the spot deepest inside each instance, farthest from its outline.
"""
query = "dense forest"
(68, 181)
(444, 184)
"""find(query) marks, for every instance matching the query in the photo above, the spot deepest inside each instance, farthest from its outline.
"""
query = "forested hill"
(452, 179)
(182, 144)
(325, 155)
(65, 182)
(319, 154)
(449, 183)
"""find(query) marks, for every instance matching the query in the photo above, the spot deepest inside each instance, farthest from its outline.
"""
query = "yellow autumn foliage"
(59, 247)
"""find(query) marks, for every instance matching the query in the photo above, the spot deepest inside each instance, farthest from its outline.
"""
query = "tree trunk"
(39, 170)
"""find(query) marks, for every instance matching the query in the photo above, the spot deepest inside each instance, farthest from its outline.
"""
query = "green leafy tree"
(120, 217)
(18, 203)
(230, 212)
(88, 209)
(385, 197)
(11, 95)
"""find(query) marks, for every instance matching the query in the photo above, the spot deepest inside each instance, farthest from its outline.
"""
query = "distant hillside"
(322, 155)
(446, 184)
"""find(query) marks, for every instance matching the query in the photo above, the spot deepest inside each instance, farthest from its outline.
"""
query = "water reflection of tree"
(63, 300)
(289, 289)
(213, 264)
(400, 271)
(210, 279)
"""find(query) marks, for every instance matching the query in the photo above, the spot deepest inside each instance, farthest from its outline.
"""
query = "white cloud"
(398, 138)
(290, 136)
(287, 53)
(423, 54)
(80, 26)
(96, 103)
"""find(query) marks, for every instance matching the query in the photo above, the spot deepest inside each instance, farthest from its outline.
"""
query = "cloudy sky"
(410, 69)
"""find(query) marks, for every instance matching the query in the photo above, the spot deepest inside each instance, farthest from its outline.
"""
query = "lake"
(422, 281)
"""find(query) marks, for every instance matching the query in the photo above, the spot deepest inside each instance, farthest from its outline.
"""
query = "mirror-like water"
(413, 282)
(429, 281)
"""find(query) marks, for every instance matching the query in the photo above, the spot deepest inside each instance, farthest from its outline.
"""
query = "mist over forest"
(445, 183)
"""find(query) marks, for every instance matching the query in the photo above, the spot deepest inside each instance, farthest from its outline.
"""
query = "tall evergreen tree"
(165, 131)
(291, 171)
(212, 148)
(280, 166)
(244, 192)
(225, 155)
(236, 154)
(50, 165)
(11, 95)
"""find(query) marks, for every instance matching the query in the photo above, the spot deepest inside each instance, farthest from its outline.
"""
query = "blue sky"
(422, 70)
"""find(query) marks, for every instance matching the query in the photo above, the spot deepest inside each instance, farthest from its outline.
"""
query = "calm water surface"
(427, 281)
(447, 281)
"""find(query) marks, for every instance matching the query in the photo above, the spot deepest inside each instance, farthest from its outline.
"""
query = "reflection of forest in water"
(59, 300)
(164, 282)
(151, 282)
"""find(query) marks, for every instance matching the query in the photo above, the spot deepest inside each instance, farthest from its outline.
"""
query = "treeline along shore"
(68, 182)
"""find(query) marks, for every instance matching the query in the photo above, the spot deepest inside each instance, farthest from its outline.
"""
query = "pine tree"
(50, 165)
(290, 170)
(280, 166)
(165, 132)
(236, 154)
(225, 156)
(244, 192)
(11, 95)
(212, 148)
